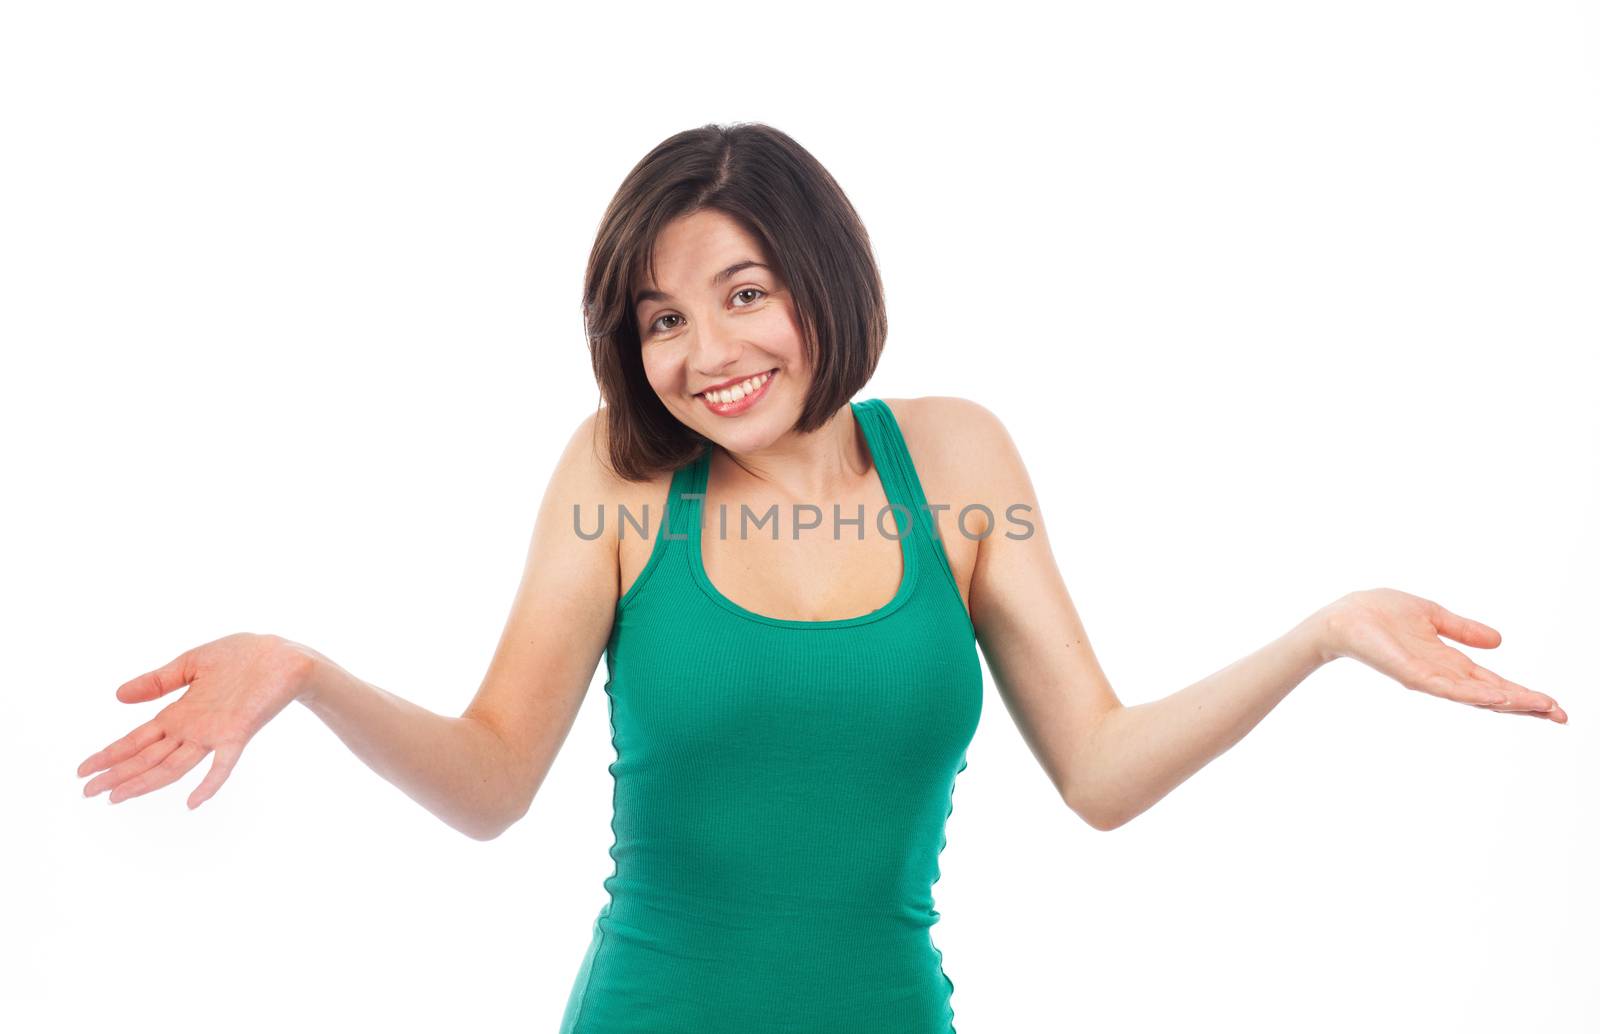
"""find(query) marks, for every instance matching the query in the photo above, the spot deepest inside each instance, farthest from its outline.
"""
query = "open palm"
(1398, 634)
(236, 685)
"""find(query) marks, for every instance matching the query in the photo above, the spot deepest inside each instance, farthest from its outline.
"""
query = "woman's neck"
(822, 465)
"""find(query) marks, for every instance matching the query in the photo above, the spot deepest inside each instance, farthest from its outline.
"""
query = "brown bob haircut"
(812, 236)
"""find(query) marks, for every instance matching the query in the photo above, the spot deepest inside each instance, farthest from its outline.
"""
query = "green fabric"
(781, 789)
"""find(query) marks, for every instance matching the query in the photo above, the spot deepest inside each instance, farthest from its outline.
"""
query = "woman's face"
(719, 314)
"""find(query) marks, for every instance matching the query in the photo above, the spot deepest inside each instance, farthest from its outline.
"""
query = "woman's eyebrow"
(658, 296)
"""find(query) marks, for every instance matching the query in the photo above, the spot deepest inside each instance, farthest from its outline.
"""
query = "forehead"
(691, 248)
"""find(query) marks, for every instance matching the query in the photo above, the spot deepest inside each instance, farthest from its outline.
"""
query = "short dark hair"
(786, 200)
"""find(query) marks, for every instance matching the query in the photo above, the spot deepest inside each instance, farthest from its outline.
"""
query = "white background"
(1278, 301)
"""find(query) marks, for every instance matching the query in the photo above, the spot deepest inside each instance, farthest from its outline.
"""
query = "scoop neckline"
(908, 552)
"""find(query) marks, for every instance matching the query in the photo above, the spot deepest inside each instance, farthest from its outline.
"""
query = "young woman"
(790, 706)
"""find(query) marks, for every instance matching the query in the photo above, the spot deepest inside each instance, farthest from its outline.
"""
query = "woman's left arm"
(1111, 762)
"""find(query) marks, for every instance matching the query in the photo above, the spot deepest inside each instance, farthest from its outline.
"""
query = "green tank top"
(780, 789)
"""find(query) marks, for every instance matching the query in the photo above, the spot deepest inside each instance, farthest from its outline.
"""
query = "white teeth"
(738, 391)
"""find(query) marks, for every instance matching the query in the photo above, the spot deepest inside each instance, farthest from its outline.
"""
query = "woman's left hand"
(1398, 634)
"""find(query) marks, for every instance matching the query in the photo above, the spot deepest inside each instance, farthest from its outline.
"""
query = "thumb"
(175, 674)
(1464, 630)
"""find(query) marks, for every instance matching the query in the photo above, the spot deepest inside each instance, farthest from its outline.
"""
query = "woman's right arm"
(478, 772)
(454, 767)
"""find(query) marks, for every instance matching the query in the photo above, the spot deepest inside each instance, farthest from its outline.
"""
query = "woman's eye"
(656, 327)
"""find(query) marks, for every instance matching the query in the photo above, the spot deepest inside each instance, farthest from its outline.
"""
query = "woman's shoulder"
(585, 474)
(949, 413)
(960, 448)
(947, 428)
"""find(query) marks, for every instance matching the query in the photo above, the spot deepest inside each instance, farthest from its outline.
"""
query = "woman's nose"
(713, 347)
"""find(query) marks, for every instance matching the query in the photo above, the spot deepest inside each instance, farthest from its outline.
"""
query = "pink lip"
(735, 408)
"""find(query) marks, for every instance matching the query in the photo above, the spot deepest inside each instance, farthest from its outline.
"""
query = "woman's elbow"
(1098, 817)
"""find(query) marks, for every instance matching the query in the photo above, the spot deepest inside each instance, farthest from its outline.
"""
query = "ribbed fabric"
(780, 790)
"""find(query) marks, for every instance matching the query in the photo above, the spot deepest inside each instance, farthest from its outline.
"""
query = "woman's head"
(663, 326)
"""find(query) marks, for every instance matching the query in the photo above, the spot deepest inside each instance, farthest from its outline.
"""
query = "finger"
(129, 745)
(176, 764)
(135, 766)
(222, 763)
(1522, 698)
(1451, 687)
(175, 674)
(1547, 715)
(1553, 713)
(1463, 630)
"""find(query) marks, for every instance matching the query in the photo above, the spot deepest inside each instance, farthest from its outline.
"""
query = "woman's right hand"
(237, 684)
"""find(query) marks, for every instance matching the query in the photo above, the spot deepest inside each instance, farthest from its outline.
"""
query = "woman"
(789, 711)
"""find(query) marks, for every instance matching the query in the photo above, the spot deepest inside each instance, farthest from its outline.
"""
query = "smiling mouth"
(741, 398)
(745, 388)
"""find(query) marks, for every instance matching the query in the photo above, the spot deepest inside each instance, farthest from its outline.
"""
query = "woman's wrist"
(317, 673)
(1320, 635)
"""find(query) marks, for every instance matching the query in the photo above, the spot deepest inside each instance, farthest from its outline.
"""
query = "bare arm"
(455, 767)
(480, 771)
(1137, 755)
(1111, 762)
(1108, 762)
(1026, 623)
(559, 624)
(239, 683)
